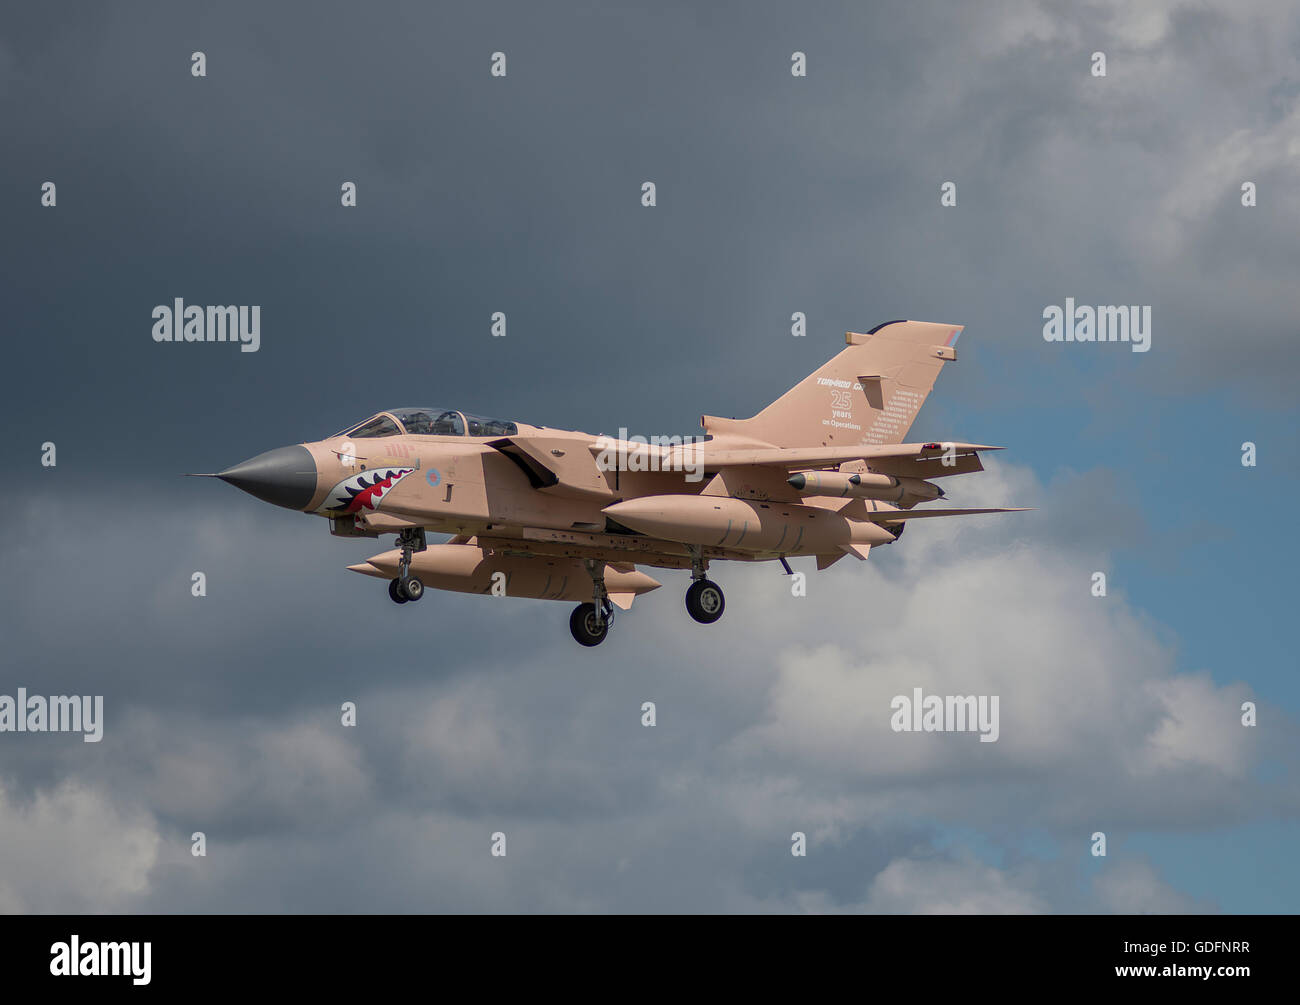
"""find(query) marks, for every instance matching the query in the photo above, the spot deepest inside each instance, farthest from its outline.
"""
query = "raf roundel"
(433, 477)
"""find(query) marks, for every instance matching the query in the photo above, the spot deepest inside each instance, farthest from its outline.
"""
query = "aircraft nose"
(285, 476)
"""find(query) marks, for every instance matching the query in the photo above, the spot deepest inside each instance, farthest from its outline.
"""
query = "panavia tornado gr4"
(559, 515)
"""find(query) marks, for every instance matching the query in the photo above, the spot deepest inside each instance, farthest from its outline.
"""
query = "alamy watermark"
(181, 323)
(656, 453)
(1098, 324)
(75, 958)
(952, 713)
(60, 713)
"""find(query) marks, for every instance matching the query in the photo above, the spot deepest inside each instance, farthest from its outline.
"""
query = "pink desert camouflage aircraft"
(559, 515)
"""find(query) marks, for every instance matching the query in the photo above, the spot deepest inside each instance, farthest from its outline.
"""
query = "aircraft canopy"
(430, 422)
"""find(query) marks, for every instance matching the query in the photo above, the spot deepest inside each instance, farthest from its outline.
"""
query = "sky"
(775, 194)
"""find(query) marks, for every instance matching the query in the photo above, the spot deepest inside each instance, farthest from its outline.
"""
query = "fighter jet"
(560, 515)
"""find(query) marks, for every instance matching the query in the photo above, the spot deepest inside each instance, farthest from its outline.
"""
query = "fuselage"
(546, 491)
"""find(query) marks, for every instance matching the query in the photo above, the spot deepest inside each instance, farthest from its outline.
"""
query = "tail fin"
(869, 393)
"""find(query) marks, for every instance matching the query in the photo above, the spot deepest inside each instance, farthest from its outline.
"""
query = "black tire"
(705, 602)
(582, 623)
(413, 589)
(395, 591)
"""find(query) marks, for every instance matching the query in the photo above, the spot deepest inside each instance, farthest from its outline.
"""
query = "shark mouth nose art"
(363, 491)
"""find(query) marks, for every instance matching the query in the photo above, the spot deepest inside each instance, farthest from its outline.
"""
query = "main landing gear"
(406, 587)
(590, 623)
(704, 600)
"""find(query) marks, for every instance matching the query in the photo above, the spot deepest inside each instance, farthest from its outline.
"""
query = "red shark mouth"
(364, 491)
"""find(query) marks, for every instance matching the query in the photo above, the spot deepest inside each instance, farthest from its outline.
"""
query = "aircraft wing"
(913, 460)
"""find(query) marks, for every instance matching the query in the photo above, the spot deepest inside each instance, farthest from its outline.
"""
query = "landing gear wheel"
(406, 587)
(704, 601)
(587, 629)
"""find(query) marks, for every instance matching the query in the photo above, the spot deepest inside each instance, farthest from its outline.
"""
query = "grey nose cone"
(285, 476)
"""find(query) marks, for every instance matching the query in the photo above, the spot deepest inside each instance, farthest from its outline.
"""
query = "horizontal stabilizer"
(891, 515)
(858, 551)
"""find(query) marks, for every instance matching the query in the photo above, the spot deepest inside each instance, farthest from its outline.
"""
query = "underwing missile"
(863, 486)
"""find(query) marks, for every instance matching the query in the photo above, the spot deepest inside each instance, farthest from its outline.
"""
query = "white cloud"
(1134, 887)
(774, 720)
(1090, 696)
(73, 848)
(909, 886)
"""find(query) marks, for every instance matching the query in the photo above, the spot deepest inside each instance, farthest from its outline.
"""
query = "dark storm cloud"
(522, 195)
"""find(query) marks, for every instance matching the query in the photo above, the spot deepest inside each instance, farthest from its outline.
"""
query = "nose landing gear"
(401, 592)
(590, 623)
(406, 587)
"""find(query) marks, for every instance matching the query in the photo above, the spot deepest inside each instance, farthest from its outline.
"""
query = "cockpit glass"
(380, 425)
(479, 426)
(448, 422)
(417, 420)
